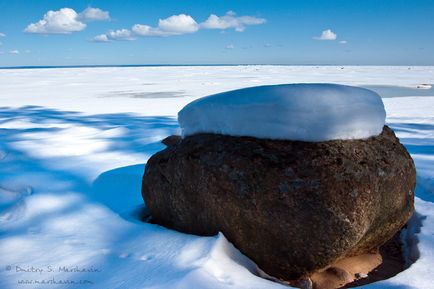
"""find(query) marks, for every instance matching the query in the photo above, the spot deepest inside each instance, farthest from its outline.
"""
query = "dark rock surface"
(292, 207)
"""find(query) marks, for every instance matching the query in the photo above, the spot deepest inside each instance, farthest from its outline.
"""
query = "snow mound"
(305, 112)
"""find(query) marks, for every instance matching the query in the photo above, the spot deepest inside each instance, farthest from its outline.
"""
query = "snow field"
(72, 158)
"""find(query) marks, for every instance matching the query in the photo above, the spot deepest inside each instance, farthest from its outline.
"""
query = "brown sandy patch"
(359, 270)
(346, 271)
(393, 263)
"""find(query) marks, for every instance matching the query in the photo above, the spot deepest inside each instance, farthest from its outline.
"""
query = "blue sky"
(368, 32)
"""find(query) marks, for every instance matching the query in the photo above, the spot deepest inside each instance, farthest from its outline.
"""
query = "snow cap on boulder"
(305, 112)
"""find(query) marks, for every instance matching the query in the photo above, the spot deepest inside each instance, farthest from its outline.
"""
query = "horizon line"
(179, 65)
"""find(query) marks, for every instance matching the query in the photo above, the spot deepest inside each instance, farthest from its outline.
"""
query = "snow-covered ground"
(72, 147)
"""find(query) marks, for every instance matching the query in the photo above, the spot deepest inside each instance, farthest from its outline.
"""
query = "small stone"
(361, 276)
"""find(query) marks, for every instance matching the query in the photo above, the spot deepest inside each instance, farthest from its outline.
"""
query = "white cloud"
(343, 42)
(230, 20)
(94, 14)
(63, 21)
(100, 38)
(146, 30)
(120, 34)
(182, 24)
(115, 35)
(2, 34)
(327, 35)
(14, 52)
(178, 24)
(66, 21)
(230, 46)
(173, 25)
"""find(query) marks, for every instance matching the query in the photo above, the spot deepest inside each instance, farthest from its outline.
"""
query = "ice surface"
(70, 181)
(87, 89)
(304, 112)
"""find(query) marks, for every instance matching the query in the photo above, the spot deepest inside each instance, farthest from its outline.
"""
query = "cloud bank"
(185, 24)
(67, 21)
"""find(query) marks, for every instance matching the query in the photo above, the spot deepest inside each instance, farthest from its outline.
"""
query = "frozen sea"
(73, 144)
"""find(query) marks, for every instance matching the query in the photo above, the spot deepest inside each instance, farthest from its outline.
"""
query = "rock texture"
(293, 207)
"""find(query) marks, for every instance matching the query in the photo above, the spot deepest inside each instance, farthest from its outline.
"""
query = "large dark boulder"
(292, 207)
